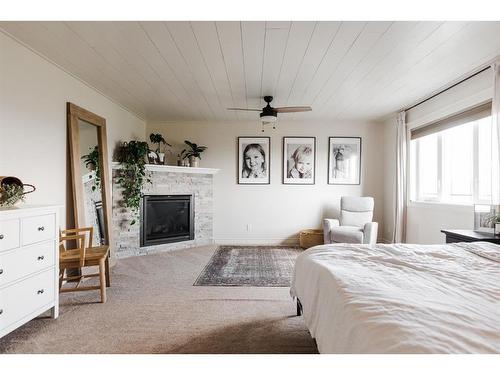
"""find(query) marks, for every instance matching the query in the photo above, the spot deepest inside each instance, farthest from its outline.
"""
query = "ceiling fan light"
(268, 119)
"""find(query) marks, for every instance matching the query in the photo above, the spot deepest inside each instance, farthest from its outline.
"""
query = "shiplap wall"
(166, 71)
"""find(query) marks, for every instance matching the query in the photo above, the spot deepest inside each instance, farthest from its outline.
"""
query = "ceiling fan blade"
(244, 109)
(292, 109)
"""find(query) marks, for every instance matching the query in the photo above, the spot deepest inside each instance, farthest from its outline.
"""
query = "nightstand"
(462, 235)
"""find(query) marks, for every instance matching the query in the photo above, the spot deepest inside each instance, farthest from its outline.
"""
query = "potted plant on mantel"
(193, 153)
(158, 139)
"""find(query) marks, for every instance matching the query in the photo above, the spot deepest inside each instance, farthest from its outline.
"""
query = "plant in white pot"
(193, 153)
(158, 139)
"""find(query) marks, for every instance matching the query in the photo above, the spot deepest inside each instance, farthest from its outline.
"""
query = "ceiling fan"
(268, 114)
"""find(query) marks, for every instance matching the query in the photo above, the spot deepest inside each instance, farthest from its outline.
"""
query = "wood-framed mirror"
(89, 172)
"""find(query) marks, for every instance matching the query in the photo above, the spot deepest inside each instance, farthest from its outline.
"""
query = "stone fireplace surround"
(166, 180)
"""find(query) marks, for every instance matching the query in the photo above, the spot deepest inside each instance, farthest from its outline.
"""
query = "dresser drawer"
(21, 299)
(38, 228)
(27, 260)
(9, 234)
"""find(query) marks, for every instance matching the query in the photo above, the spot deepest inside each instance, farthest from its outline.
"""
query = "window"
(450, 161)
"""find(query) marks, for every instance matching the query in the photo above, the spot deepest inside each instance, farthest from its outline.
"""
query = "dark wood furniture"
(462, 235)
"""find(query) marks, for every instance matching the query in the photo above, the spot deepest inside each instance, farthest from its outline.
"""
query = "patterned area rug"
(250, 266)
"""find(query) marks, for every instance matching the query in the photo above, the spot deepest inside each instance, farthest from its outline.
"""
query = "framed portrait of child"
(253, 160)
(299, 160)
(344, 161)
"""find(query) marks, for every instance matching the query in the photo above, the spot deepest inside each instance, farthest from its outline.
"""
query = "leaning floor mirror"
(89, 172)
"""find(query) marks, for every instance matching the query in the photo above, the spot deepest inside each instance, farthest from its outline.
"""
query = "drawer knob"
(41, 229)
(1, 311)
(1, 271)
(41, 257)
(1, 237)
(40, 291)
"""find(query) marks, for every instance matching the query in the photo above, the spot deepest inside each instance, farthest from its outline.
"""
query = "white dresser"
(29, 264)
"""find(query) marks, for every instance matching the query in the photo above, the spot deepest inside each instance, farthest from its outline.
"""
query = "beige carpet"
(153, 307)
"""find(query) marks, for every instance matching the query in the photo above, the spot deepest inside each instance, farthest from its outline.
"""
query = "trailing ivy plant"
(132, 174)
(92, 158)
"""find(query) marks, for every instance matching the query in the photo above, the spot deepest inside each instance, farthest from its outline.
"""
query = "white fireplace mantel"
(173, 168)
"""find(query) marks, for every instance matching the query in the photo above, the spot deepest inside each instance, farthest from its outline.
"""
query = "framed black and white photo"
(299, 160)
(344, 161)
(253, 160)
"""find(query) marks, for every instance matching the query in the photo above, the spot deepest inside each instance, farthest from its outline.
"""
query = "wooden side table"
(461, 235)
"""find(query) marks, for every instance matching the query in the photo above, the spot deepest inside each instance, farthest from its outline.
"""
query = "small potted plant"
(10, 195)
(193, 153)
(158, 139)
(91, 161)
(12, 191)
(494, 221)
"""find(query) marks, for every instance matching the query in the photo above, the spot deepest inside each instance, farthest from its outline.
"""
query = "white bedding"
(401, 298)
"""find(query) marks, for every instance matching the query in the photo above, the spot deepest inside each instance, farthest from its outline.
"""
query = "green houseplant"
(91, 161)
(158, 139)
(193, 153)
(132, 174)
(11, 194)
(494, 221)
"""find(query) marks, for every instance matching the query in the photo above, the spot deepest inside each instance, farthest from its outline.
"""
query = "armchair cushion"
(347, 234)
(356, 211)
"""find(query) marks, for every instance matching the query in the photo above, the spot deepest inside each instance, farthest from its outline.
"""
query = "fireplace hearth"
(166, 219)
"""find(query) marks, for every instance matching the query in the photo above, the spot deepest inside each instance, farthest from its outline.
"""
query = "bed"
(401, 298)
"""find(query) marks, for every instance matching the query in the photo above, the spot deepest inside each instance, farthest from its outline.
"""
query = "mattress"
(401, 298)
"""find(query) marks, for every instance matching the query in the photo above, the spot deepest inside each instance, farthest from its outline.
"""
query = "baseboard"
(290, 241)
(294, 241)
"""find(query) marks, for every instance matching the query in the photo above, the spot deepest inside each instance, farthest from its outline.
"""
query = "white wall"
(33, 140)
(276, 212)
(425, 221)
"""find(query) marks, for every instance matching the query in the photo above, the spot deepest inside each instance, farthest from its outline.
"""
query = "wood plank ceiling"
(174, 71)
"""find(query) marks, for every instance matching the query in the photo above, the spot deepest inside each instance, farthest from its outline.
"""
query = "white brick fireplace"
(166, 180)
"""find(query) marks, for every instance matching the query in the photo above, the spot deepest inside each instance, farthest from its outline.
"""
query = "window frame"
(414, 187)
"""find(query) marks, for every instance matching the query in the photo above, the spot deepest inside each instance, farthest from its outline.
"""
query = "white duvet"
(401, 298)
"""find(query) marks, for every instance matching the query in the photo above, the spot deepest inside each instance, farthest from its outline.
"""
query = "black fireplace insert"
(166, 219)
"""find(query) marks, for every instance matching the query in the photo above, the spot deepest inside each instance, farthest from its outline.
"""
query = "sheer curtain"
(399, 232)
(495, 115)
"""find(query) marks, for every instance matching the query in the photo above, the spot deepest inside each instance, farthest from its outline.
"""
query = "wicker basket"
(310, 237)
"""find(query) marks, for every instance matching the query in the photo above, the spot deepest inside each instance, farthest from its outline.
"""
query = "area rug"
(270, 266)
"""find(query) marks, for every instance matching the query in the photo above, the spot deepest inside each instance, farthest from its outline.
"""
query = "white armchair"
(354, 224)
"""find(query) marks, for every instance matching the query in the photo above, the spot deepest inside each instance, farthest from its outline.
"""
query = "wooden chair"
(84, 255)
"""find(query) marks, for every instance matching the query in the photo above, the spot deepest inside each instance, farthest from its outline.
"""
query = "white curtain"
(495, 115)
(399, 232)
